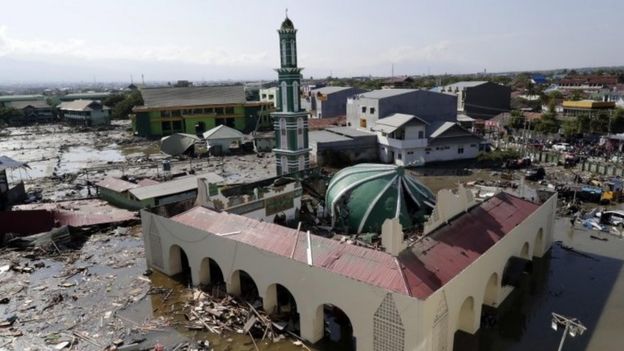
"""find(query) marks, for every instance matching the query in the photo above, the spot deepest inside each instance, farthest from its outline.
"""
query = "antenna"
(287, 12)
(131, 80)
(143, 80)
(392, 70)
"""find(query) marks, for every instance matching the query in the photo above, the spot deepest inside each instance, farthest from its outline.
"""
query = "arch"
(179, 266)
(525, 251)
(281, 304)
(466, 318)
(283, 134)
(243, 285)
(538, 245)
(295, 88)
(338, 331)
(492, 289)
(284, 96)
(300, 140)
(210, 274)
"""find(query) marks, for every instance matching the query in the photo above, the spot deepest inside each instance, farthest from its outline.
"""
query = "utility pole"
(572, 326)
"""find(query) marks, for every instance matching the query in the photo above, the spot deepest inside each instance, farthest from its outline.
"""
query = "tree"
(617, 122)
(570, 127)
(123, 108)
(517, 120)
(113, 99)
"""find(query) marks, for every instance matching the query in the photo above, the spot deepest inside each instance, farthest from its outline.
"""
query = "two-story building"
(194, 110)
(84, 112)
(364, 110)
(408, 140)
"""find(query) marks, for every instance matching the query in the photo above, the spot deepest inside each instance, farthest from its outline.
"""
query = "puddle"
(76, 158)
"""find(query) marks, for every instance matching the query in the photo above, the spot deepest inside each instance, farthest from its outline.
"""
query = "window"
(473, 145)
(460, 150)
(299, 132)
(229, 122)
(209, 110)
(371, 110)
(421, 134)
(197, 111)
(229, 110)
(219, 121)
(219, 110)
(264, 96)
(165, 113)
(176, 113)
(410, 152)
(362, 123)
(400, 155)
(177, 125)
(363, 109)
(271, 96)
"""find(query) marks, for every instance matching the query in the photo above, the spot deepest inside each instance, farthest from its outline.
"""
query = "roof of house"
(323, 136)
(588, 104)
(418, 271)
(116, 184)
(329, 90)
(464, 118)
(171, 187)
(395, 121)
(385, 93)
(350, 132)
(9, 98)
(79, 105)
(22, 104)
(441, 128)
(223, 132)
(465, 84)
(192, 96)
(8, 163)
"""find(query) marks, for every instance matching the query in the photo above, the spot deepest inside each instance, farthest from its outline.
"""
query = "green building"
(290, 121)
(194, 110)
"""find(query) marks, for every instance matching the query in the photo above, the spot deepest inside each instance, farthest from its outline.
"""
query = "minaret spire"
(290, 122)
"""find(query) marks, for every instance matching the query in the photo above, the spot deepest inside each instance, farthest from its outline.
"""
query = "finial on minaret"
(287, 12)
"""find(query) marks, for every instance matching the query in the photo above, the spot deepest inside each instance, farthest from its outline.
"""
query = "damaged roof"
(418, 271)
(175, 186)
(8, 163)
(116, 184)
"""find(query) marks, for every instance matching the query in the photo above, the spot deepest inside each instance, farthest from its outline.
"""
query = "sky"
(206, 40)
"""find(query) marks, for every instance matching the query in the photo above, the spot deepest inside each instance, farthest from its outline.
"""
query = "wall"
(473, 280)
(487, 100)
(447, 151)
(311, 286)
(336, 103)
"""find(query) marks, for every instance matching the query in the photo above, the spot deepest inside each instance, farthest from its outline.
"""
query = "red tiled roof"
(417, 272)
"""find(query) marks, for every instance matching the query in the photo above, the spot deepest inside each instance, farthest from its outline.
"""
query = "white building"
(85, 112)
(407, 140)
(269, 95)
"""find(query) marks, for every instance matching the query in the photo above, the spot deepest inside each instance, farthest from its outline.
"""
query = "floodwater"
(587, 285)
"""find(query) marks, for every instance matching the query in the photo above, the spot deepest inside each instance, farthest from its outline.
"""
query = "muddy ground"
(64, 160)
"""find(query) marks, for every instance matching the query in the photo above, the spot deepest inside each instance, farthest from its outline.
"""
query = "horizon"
(214, 41)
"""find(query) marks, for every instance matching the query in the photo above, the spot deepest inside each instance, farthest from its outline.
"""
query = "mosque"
(426, 294)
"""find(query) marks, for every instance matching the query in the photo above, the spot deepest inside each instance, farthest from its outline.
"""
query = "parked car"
(615, 217)
(562, 147)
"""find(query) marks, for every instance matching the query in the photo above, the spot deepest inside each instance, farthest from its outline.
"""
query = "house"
(340, 146)
(84, 112)
(364, 110)
(329, 102)
(588, 82)
(408, 140)
(194, 110)
(269, 95)
(398, 82)
(588, 108)
(170, 192)
(116, 192)
(222, 139)
(480, 99)
(30, 111)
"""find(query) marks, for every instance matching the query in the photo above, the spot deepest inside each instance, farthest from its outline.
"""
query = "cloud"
(83, 50)
(431, 52)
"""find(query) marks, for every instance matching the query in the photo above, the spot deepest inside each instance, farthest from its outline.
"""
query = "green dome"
(362, 197)
(287, 24)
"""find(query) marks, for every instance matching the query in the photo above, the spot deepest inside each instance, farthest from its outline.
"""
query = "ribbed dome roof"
(287, 24)
(365, 195)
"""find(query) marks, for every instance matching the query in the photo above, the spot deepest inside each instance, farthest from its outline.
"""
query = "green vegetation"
(121, 104)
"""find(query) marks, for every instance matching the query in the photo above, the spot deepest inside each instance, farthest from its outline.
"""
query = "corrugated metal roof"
(323, 136)
(465, 84)
(8, 163)
(222, 132)
(80, 105)
(22, 104)
(116, 184)
(173, 187)
(350, 132)
(391, 123)
(417, 272)
(192, 96)
(329, 90)
(384, 93)
(439, 130)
